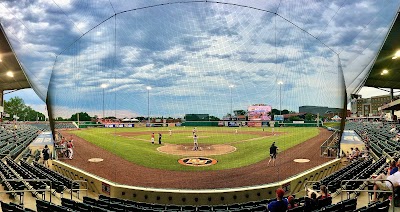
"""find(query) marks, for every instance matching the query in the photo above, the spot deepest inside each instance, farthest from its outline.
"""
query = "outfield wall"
(103, 186)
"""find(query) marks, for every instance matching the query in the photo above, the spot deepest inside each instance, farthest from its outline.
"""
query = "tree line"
(16, 107)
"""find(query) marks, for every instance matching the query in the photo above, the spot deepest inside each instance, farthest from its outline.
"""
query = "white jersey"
(195, 140)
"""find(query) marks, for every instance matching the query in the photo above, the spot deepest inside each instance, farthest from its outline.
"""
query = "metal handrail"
(79, 189)
(366, 180)
(313, 181)
(31, 190)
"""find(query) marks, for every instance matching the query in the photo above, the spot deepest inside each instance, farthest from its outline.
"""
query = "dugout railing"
(329, 148)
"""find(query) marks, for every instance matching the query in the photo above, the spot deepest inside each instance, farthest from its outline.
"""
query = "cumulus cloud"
(190, 53)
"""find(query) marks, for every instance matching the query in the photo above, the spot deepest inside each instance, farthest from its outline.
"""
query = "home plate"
(301, 160)
(95, 160)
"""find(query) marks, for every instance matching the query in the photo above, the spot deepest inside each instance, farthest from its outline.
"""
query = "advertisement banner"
(278, 117)
(118, 125)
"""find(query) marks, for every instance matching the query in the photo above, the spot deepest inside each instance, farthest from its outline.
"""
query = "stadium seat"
(297, 209)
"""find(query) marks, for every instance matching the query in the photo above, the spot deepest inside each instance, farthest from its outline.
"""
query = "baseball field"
(231, 147)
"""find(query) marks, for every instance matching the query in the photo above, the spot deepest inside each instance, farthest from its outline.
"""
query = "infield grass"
(250, 148)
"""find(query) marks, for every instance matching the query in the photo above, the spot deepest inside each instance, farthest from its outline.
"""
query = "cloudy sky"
(190, 53)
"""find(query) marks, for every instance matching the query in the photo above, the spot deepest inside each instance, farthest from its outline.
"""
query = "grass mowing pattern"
(143, 153)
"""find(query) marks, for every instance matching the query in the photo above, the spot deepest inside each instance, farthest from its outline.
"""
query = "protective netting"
(39, 31)
(196, 57)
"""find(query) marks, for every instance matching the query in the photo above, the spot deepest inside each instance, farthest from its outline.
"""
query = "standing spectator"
(152, 138)
(159, 138)
(46, 156)
(280, 204)
(273, 151)
(196, 145)
(70, 151)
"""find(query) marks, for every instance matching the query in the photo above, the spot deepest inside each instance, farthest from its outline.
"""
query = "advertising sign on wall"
(278, 117)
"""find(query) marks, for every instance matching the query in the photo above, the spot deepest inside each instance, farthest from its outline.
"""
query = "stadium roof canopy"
(384, 61)
(12, 76)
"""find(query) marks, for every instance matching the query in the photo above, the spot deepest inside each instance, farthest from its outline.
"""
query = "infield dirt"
(122, 171)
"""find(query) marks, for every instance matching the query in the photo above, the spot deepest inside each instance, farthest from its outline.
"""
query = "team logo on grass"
(197, 161)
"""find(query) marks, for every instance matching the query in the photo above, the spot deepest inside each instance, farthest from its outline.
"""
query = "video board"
(259, 112)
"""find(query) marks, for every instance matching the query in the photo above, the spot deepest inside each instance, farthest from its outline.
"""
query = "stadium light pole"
(280, 83)
(103, 86)
(230, 91)
(148, 103)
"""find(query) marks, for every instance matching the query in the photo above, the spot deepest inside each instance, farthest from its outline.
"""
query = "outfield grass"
(138, 149)
(332, 124)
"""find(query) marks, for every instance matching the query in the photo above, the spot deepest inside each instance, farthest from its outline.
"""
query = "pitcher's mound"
(204, 150)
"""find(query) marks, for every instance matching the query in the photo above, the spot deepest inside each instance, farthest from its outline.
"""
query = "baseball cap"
(280, 192)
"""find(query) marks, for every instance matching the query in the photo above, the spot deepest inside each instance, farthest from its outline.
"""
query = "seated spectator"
(392, 168)
(393, 130)
(311, 203)
(292, 203)
(356, 153)
(365, 153)
(396, 138)
(352, 153)
(279, 204)
(385, 185)
(321, 195)
(323, 192)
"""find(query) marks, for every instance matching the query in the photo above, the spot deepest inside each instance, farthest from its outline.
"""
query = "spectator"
(384, 184)
(356, 153)
(292, 203)
(393, 130)
(311, 203)
(365, 153)
(280, 204)
(46, 156)
(392, 168)
(324, 192)
(396, 138)
(351, 155)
